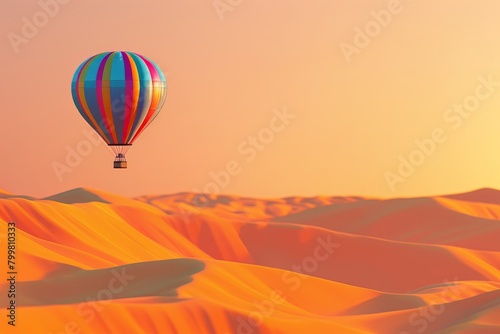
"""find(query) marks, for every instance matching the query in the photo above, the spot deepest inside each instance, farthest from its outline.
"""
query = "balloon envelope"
(119, 94)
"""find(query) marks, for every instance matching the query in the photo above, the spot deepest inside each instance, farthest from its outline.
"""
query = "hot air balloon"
(119, 94)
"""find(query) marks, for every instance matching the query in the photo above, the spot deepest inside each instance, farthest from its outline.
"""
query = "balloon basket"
(120, 161)
(120, 164)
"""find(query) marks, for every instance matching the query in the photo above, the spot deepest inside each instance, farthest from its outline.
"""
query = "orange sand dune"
(423, 220)
(94, 262)
(485, 195)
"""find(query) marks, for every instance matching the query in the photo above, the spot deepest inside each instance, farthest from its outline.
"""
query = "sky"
(266, 98)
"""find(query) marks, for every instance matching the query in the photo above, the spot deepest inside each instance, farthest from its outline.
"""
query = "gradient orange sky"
(353, 120)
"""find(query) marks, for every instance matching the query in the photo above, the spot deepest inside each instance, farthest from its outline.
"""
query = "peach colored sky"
(353, 119)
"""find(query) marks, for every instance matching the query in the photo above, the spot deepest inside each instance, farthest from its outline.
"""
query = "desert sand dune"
(185, 263)
(485, 195)
(423, 220)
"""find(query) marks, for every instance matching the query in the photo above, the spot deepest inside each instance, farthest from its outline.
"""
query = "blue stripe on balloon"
(142, 69)
(91, 75)
(160, 73)
(117, 76)
(77, 72)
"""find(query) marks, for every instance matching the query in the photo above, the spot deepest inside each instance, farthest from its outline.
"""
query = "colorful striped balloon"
(119, 94)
